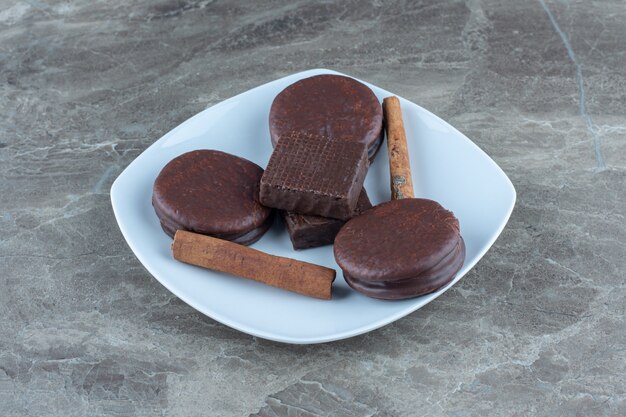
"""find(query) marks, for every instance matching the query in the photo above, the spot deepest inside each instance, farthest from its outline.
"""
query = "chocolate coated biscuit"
(212, 193)
(400, 249)
(331, 106)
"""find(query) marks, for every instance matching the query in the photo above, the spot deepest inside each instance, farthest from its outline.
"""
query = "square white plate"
(447, 167)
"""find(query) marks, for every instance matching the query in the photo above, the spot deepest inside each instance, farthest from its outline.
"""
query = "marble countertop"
(536, 328)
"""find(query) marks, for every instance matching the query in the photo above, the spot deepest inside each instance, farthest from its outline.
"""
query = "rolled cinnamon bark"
(224, 256)
(399, 164)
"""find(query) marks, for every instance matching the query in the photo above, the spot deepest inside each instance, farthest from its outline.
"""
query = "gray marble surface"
(536, 328)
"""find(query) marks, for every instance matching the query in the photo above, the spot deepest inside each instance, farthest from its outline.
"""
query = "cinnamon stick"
(399, 164)
(224, 256)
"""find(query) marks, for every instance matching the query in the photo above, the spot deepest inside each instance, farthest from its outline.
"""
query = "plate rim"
(313, 339)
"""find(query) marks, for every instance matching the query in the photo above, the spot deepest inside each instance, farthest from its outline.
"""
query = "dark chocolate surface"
(424, 283)
(214, 193)
(307, 231)
(331, 106)
(396, 240)
(315, 175)
(246, 238)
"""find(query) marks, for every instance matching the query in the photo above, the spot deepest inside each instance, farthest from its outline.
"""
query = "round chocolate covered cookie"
(400, 249)
(213, 193)
(329, 106)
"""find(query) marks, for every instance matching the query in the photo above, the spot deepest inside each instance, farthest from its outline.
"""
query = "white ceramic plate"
(447, 167)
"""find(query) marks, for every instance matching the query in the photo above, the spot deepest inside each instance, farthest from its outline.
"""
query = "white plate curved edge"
(446, 166)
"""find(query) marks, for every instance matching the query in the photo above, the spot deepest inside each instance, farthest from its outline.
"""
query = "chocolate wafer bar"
(317, 175)
(307, 231)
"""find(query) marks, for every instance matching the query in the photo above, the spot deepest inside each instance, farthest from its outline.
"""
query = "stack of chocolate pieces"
(325, 129)
(316, 177)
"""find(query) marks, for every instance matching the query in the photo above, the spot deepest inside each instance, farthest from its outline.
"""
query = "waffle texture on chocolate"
(309, 174)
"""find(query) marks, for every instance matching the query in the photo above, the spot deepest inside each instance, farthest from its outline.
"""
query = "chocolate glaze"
(425, 283)
(313, 231)
(329, 105)
(170, 227)
(213, 193)
(313, 175)
(400, 249)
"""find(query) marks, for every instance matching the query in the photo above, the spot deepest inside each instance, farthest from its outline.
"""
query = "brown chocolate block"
(329, 105)
(313, 231)
(309, 174)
